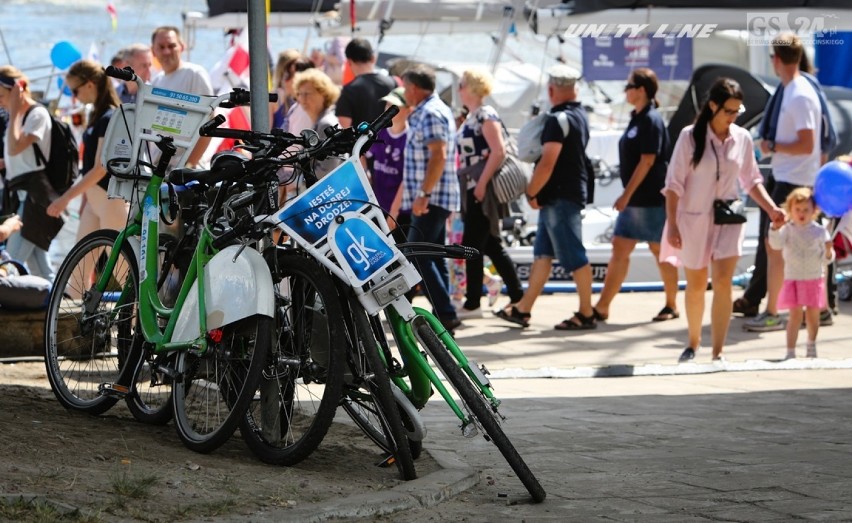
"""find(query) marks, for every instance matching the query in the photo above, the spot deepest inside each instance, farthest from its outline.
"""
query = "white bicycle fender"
(234, 289)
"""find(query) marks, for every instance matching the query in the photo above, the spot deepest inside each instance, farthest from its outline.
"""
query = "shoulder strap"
(562, 119)
(40, 159)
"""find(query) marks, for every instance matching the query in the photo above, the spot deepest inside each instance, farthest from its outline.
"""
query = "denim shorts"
(644, 224)
(560, 234)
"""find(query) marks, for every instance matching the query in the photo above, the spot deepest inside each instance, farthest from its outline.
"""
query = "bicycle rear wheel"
(477, 405)
(296, 399)
(89, 335)
(370, 390)
(213, 389)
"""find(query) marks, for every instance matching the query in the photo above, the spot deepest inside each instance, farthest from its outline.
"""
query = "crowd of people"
(431, 164)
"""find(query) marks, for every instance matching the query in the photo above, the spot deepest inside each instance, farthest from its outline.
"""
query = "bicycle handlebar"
(455, 251)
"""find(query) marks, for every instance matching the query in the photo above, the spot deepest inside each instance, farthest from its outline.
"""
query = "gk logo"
(358, 252)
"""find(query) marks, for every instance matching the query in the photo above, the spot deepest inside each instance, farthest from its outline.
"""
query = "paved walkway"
(675, 442)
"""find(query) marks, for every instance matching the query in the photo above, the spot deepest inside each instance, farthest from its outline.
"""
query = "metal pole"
(258, 65)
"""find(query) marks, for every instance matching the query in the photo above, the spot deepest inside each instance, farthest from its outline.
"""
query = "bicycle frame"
(339, 223)
(177, 117)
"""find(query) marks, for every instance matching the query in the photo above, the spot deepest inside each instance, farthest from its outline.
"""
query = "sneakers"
(463, 313)
(494, 286)
(688, 354)
(811, 350)
(790, 356)
(765, 322)
(826, 318)
(742, 306)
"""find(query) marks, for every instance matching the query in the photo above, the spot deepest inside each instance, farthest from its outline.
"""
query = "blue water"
(30, 29)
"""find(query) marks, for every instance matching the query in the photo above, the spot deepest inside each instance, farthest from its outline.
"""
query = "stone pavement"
(754, 439)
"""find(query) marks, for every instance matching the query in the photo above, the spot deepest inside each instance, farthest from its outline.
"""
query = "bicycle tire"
(207, 411)
(361, 408)
(304, 371)
(150, 399)
(84, 351)
(472, 397)
(373, 372)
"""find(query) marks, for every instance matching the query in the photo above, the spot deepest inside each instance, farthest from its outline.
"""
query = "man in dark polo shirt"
(559, 189)
(361, 99)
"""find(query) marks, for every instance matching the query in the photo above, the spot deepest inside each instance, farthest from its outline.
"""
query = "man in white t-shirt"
(796, 157)
(178, 75)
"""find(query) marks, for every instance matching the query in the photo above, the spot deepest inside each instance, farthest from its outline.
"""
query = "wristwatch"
(423, 194)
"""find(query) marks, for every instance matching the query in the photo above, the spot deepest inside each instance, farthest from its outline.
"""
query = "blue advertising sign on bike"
(361, 247)
(309, 215)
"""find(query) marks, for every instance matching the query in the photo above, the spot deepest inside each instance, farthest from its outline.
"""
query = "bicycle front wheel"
(369, 398)
(213, 389)
(478, 407)
(297, 396)
(89, 335)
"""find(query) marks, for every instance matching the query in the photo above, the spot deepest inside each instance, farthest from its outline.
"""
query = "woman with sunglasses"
(29, 125)
(708, 160)
(90, 85)
(643, 152)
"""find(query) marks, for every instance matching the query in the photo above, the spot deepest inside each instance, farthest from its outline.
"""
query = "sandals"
(583, 323)
(515, 316)
(666, 313)
(598, 316)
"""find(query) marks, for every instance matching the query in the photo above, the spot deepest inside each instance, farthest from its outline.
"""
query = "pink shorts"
(802, 293)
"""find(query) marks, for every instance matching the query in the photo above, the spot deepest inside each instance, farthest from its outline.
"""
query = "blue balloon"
(833, 188)
(60, 83)
(64, 54)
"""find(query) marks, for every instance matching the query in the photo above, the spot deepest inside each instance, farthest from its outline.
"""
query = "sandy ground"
(113, 468)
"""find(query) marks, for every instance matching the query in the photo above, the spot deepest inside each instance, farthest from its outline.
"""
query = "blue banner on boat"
(612, 58)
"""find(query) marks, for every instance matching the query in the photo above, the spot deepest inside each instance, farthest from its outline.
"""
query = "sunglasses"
(734, 112)
(76, 90)
(629, 86)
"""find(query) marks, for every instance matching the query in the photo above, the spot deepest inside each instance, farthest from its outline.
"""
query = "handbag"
(511, 179)
(39, 228)
(728, 212)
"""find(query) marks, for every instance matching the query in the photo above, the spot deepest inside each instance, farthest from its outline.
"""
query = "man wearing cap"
(360, 99)
(559, 189)
(429, 181)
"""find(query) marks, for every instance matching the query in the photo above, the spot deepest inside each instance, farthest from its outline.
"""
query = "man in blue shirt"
(430, 184)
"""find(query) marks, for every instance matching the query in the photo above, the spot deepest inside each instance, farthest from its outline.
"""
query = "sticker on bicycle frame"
(150, 213)
(360, 247)
(176, 95)
(311, 213)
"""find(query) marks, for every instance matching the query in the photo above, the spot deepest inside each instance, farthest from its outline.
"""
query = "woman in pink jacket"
(708, 160)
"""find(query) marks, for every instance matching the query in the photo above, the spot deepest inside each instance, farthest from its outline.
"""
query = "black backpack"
(63, 165)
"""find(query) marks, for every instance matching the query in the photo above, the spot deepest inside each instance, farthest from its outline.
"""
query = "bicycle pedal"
(387, 462)
(113, 390)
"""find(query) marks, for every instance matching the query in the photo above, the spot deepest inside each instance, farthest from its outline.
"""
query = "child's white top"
(803, 247)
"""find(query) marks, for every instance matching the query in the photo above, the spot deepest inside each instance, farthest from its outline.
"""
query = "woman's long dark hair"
(722, 90)
(91, 71)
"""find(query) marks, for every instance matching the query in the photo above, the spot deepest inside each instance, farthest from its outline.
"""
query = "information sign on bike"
(360, 247)
(310, 214)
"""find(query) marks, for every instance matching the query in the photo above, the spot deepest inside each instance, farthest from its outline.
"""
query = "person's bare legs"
(669, 275)
(794, 323)
(696, 286)
(812, 322)
(723, 299)
(774, 278)
(616, 272)
(583, 281)
(539, 274)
